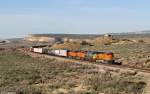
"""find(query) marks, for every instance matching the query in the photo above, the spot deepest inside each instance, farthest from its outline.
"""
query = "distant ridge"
(128, 33)
(144, 33)
(67, 35)
(60, 35)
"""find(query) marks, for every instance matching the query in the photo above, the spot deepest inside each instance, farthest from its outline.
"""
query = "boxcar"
(38, 50)
(50, 52)
(60, 52)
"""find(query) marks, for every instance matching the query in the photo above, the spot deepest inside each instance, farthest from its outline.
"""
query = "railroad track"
(93, 63)
(131, 68)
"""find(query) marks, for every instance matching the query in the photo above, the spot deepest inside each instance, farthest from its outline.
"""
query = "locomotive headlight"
(94, 56)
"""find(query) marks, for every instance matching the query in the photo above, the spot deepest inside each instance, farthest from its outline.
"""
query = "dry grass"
(21, 73)
(26, 75)
(114, 84)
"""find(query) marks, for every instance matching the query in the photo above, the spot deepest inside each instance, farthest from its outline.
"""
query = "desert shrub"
(22, 90)
(29, 90)
(22, 73)
(109, 84)
(84, 43)
(82, 92)
(141, 41)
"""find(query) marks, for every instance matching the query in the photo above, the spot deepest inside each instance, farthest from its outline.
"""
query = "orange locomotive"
(72, 54)
(104, 57)
(81, 55)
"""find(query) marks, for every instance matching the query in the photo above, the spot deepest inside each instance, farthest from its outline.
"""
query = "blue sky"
(21, 17)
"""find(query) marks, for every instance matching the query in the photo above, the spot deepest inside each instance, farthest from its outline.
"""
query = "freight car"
(94, 56)
(38, 49)
(62, 53)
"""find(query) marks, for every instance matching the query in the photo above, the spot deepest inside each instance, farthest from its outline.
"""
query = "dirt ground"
(24, 74)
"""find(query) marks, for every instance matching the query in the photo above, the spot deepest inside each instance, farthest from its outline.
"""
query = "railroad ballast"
(94, 56)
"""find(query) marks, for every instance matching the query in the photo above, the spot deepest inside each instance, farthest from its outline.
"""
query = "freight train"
(93, 56)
